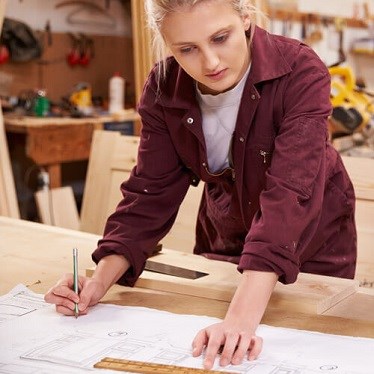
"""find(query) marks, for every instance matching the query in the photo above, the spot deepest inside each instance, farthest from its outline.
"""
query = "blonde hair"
(157, 10)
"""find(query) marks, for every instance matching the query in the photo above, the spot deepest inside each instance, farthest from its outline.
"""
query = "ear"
(246, 22)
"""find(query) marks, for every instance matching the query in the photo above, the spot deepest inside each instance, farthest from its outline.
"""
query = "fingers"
(213, 344)
(255, 347)
(86, 296)
(229, 348)
(68, 312)
(242, 348)
(63, 296)
(238, 346)
(62, 293)
(235, 349)
(212, 349)
(232, 346)
(199, 343)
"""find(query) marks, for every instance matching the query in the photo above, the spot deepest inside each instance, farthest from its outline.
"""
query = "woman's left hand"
(235, 337)
(231, 339)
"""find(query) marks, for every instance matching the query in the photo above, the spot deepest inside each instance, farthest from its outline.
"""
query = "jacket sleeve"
(151, 196)
(291, 203)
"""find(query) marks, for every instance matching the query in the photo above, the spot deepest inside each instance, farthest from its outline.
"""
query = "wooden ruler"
(148, 367)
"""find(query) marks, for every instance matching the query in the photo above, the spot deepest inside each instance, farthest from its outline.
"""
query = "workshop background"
(102, 33)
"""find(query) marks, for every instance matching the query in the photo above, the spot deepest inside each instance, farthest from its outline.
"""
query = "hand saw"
(175, 271)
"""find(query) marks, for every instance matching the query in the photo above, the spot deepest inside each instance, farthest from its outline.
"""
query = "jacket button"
(190, 121)
(241, 139)
(204, 164)
(253, 97)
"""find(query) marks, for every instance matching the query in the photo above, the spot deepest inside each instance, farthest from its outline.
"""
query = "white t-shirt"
(219, 114)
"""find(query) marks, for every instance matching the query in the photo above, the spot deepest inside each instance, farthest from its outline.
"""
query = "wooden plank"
(34, 253)
(361, 171)
(143, 57)
(365, 214)
(365, 258)
(57, 207)
(310, 294)
(98, 180)
(359, 305)
(8, 197)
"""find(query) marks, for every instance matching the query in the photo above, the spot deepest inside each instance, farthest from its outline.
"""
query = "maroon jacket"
(287, 204)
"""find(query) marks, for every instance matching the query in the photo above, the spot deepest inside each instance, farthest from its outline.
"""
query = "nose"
(210, 60)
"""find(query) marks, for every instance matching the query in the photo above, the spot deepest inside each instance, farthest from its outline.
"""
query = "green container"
(41, 106)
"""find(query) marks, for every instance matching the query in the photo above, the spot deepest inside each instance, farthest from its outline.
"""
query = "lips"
(217, 75)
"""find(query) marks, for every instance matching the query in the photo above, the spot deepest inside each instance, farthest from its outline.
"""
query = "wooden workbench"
(37, 255)
(51, 141)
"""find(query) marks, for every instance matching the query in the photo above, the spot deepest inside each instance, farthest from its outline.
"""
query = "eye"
(185, 50)
(220, 38)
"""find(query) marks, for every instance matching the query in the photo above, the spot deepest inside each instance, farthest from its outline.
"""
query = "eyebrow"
(224, 29)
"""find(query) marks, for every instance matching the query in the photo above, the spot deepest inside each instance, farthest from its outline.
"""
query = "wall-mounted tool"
(4, 54)
(72, 58)
(86, 49)
(82, 50)
(352, 108)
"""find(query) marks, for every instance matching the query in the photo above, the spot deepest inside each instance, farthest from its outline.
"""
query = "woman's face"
(209, 42)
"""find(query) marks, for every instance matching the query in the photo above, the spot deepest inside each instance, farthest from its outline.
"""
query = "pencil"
(75, 274)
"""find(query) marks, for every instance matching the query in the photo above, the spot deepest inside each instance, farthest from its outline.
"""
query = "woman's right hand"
(63, 296)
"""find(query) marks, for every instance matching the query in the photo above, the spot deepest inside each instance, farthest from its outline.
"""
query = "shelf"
(312, 18)
(362, 52)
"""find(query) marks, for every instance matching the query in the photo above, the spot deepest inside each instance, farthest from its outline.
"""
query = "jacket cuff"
(287, 268)
(130, 277)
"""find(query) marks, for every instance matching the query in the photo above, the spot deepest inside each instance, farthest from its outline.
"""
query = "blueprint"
(18, 302)
(40, 341)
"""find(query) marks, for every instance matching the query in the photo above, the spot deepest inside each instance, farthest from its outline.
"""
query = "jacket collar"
(268, 62)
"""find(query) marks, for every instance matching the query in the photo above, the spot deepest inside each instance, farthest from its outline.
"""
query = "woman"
(246, 112)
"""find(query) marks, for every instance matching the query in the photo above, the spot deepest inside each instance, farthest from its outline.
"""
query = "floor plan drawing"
(19, 302)
(42, 341)
(84, 350)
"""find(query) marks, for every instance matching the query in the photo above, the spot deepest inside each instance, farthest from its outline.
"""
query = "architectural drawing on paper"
(83, 350)
(17, 368)
(26, 368)
(266, 367)
(19, 304)
(41, 341)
